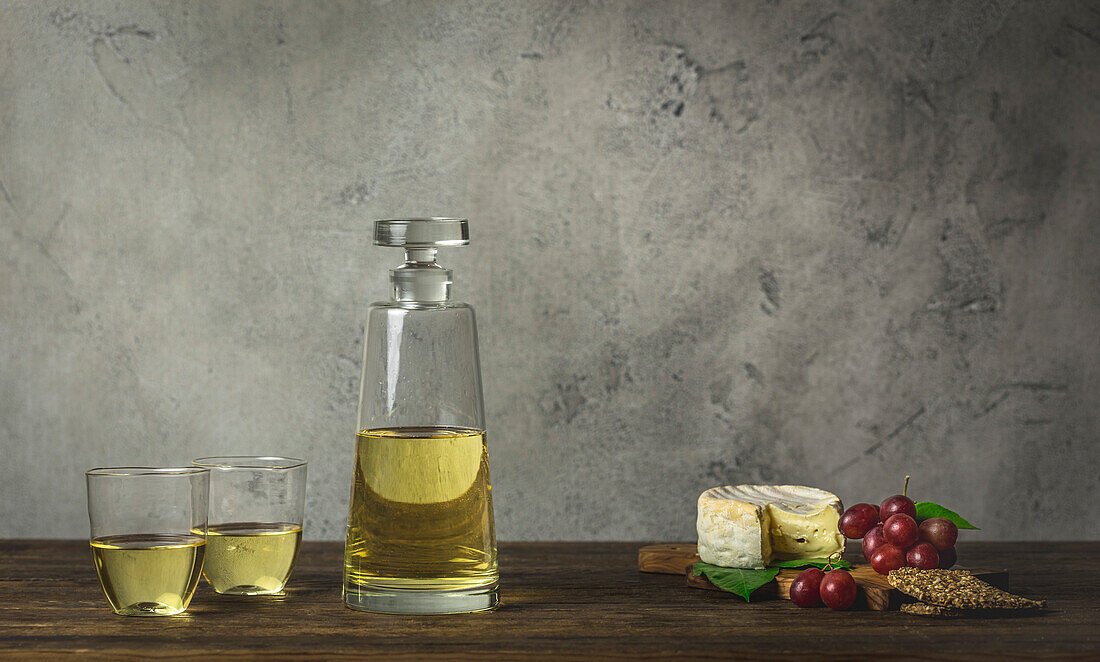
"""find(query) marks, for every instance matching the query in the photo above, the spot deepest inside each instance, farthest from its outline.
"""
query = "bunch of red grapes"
(892, 539)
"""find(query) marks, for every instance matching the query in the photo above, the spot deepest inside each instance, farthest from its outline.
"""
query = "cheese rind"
(733, 533)
(748, 526)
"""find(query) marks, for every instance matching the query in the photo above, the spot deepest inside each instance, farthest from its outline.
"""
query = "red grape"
(887, 557)
(948, 557)
(939, 531)
(922, 555)
(856, 521)
(897, 504)
(838, 589)
(872, 540)
(878, 517)
(806, 588)
(900, 530)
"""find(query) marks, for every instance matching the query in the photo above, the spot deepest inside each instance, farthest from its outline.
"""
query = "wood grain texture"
(874, 591)
(673, 558)
(561, 601)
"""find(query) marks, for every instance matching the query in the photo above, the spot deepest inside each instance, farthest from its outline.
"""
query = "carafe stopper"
(420, 279)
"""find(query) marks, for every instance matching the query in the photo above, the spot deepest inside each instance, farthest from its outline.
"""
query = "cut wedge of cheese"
(749, 526)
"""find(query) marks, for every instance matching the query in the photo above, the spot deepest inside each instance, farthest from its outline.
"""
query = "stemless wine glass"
(148, 536)
(256, 506)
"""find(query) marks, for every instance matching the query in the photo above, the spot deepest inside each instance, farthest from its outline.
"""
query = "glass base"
(149, 609)
(249, 590)
(399, 601)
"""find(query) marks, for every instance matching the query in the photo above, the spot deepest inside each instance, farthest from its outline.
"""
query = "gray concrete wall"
(827, 243)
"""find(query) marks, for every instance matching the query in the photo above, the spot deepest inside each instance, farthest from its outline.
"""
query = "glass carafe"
(420, 533)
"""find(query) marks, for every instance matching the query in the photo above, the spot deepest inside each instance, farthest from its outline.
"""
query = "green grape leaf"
(806, 563)
(928, 509)
(739, 581)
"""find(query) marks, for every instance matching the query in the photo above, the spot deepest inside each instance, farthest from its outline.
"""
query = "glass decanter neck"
(421, 279)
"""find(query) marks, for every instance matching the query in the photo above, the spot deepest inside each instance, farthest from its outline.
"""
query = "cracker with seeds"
(956, 589)
(933, 611)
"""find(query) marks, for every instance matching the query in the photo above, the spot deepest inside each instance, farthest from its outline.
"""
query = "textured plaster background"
(827, 243)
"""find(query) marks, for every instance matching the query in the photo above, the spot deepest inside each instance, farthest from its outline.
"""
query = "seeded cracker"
(921, 609)
(957, 589)
(934, 611)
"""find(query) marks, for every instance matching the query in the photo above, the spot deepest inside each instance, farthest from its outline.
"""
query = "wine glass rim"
(248, 462)
(146, 471)
(422, 219)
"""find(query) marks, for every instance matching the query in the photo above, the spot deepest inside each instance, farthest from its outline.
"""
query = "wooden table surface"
(580, 600)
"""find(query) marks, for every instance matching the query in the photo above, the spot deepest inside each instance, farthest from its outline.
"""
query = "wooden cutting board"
(875, 592)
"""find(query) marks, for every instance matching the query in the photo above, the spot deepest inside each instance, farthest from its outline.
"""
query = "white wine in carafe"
(421, 515)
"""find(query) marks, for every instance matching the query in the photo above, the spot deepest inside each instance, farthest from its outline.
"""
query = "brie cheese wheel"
(749, 526)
